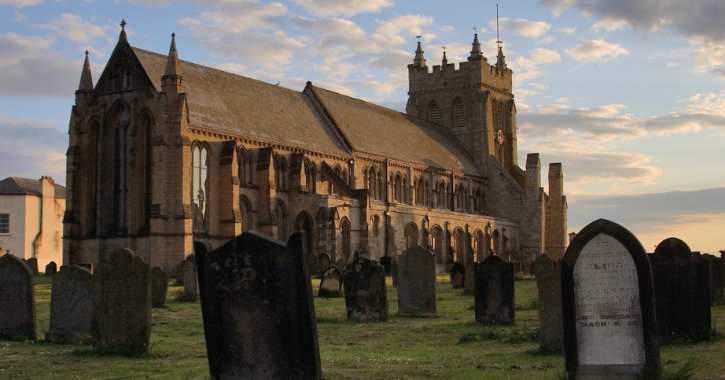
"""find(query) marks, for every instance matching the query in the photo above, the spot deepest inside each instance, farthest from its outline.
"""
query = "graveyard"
(451, 345)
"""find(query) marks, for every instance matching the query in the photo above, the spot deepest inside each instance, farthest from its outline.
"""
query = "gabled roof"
(245, 107)
(26, 186)
(378, 130)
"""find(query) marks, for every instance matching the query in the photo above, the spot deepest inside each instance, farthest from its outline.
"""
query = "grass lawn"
(451, 346)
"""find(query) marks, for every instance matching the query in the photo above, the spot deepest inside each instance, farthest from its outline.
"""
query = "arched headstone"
(366, 296)
(495, 291)
(159, 286)
(17, 306)
(610, 327)
(71, 306)
(330, 283)
(51, 268)
(417, 282)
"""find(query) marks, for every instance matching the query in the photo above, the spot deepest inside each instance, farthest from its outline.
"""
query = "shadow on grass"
(509, 336)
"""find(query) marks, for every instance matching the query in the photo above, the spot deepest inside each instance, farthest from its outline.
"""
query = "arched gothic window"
(199, 187)
(245, 209)
(459, 114)
(373, 183)
(281, 169)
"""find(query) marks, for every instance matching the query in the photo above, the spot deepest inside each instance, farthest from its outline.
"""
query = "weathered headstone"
(366, 296)
(610, 327)
(494, 296)
(682, 290)
(191, 284)
(716, 270)
(330, 283)
(548, 283)
(259, 317)
(122, 304)
(32, 264)
(324, 262)
(458, 275)
(17, 308)
(179, 273)
(417, 283)
(71, 306)
(51, 268)
(469, 278)
(159, 286)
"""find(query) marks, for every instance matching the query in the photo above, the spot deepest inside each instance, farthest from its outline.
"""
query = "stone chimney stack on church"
(171, 80)
(534, 230)
(85, 86)
(556, 207)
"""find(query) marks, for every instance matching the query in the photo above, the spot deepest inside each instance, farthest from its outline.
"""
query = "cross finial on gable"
(123, 24)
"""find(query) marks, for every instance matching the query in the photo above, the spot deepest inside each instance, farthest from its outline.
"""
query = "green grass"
(451, 346)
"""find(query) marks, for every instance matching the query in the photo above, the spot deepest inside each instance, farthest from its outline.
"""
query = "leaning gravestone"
(51, 268)
(366, 296)
(32, 264)
(71, 306)
(494, 297)
(458, 275)
(610, 330)
(122, 304)
(716, 271)
(258, 310)
(17, 308)
(548, 283)
(417, 283)
(191, 284)
(330, 283)
(682, 291)
(159, 286)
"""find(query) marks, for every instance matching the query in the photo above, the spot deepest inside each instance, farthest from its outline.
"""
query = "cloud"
(347, 8)
(566, 30)
(523, 27)
(28, 66)
(21, 3)
(543, 56)
(43, 148)
(607, 24)
(72, 27)
(596, 51)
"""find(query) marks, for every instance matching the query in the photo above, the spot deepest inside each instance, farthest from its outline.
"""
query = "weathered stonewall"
(191, 284)
(330, 283)
(366, 296)
(610, 329)
(494, 296)
(32, 264)
(458, 275)
(122, 304)
(548, 283)
(682, 290)
(417, 283)
(258, 310)
(159, 286)
(51, 268)
(71, 306)
(17, 307)
(716, 270)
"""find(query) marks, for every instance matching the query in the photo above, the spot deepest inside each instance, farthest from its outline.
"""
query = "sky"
(628, 95)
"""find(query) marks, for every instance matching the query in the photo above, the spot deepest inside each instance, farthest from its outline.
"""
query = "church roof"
(375, 129)
(26, 186)
(246, 107)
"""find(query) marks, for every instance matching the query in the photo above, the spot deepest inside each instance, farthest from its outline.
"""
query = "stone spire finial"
(476, 52)
(445, 59)
(86, 83)
(500, 59)
(172, 62)
(122, 36)
(419, 60)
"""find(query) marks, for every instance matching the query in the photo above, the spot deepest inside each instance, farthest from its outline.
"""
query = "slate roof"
(26, 186)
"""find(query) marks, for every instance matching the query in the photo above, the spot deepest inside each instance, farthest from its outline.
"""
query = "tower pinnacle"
(86, 83)
(445, 59)
(476, 52)
(419, 60)
(171, 80)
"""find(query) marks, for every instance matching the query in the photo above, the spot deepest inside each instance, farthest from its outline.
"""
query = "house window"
(4, 223)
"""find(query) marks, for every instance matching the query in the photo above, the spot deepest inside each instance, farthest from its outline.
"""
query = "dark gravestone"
(548, 283)
(324, 262)
(191, 283)
(366, 296)
(259, 316)
(682, 291)
(716, 270)
(179, 273)
(417, 283)
(330, 283)
(458, 275)
(71, 306)
(494, 296)
(32, 264)
(51, 268)
(159, 286)
(122, 304)
(387, 263)
(17, 308)
(610, 329)
(469, 279)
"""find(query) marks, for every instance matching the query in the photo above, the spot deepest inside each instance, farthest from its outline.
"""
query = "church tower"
(474, 101)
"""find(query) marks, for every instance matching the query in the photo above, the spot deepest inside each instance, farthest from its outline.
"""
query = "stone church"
(164, 152)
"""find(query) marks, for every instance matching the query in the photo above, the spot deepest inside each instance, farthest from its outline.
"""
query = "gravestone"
(458, 275)
(122, 304)
(469, 278)
(387, 263)
(324, 262)
(330, 283)
(716, 271)
(494, 297)
(17, 307)
(71, 306)
(32, 264)
(682, 291)
(417, 283)
(159, 286)
(394, 272)
(610, 328)
(366, 296)
(51, 268)
(191, 284)
(258, 310)
(548, 283)
(179, 273)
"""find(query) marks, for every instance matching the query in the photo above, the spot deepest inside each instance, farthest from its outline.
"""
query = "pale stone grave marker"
(17, 307)
(71, 306)
(494, 298)
(122, 304)
(548, 283)
(330, 283)
(417, 283)
(258, 310)
(366, 296)
(610, 330)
